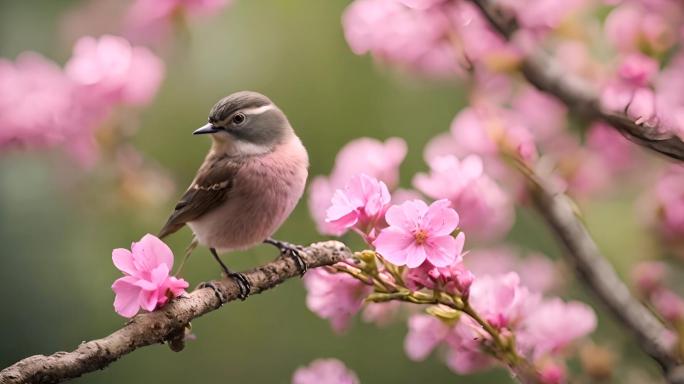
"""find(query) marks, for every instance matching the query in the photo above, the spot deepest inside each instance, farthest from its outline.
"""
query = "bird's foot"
(243, 284)
(292, 251)
(217, 291)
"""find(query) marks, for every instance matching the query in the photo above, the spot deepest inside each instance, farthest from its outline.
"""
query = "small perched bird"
(249, 183)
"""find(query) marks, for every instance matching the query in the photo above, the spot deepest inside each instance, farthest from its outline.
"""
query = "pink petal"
(392, 244)
(407, 215)
(126, 300)
(148, 299)
(443, 251)
(150, 251)
(123, 260)
(439, 219)
(415, 255)
(160, 274)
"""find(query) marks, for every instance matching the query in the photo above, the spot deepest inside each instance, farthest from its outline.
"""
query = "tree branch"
(547, 75)
(166, 324)
(599, 276)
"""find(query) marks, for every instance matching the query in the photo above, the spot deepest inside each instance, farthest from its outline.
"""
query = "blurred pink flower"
(381, 314)
(537, 273)
(615, 152)
(632, 28)
(146, 283)
(380, 160)
(415, 37)
(669, 197)
(553, 372)
(365, 155)
(544, 15)
(552, 325)
(40, 107)
(425, 333)
(466, 355)
(360, 204)
(112, 71)
(648, 276)
(484, 129)
(152, 20)
(668, 304)
(418, 232)
(485, 210)
(454, 279)
(325, 371)
(335, 297)
(501, 300)
(637, 69)
(544, 115)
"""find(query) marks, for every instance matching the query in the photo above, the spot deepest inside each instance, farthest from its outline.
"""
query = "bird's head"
(246, 122)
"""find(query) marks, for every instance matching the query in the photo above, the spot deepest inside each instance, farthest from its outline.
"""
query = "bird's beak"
(207, 128)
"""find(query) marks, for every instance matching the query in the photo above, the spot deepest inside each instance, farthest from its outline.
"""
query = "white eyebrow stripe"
(258, 110)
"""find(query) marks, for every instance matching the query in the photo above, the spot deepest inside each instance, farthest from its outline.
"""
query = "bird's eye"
(238, 118)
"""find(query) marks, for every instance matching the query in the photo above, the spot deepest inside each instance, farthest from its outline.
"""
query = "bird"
(249, 183)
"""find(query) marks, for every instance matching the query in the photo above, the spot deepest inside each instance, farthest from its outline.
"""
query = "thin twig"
(547, 75)
(165, 325)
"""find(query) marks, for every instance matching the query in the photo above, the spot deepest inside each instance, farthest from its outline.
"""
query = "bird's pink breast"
(264, 193)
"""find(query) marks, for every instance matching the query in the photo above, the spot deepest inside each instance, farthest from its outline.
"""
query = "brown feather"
(209, 190)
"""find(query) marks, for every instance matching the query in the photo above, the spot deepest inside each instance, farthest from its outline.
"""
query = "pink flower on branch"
(334, 296)
(146, 283)
(454, 279)
(484, 209)
(360, 205)
(418, 232)
(325, 371)
(377, 159)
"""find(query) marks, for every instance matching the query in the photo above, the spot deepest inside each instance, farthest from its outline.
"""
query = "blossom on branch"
(418, 232)
(147, 284)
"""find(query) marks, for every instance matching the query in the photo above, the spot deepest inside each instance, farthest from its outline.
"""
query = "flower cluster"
(43, 106)
(477, 307)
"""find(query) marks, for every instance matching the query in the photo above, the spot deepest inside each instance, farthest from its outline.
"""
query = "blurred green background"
(56, 239)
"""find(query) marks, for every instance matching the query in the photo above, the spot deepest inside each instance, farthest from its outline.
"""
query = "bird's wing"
(209, 190)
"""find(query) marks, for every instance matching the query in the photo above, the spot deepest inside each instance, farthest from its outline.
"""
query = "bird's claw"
(295, 254)
(217, 291)
(243, 284)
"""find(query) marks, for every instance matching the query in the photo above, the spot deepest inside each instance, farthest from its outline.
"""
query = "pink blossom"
(381, 314)
(552, 325)
(485, 210)
(40, 107)
(418, 232)
(425, 333)
(669, 196)
(649, 275)
(361, 204)
(146, 283)
(637, 69)
(552, 372)
(454, 279)
(614, 150)
(152, 20)
(544, 15)
(669, 304)
(113, 71)
(544, 115)
(631, 28)
(465, 355)
(484, 129)
(380, 160)
(501, 300)
(365, 155)
(537, 273)
(415, 37)
(334, 296)
(325, 371)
